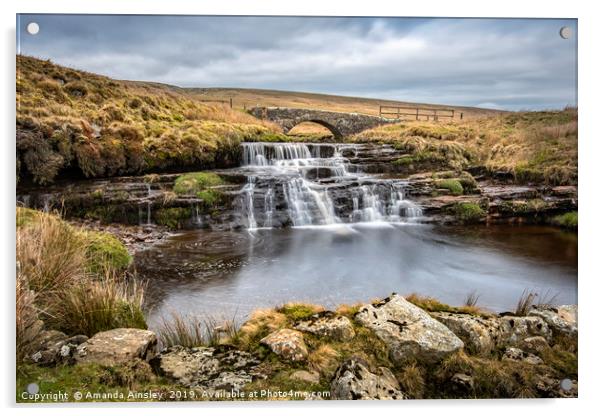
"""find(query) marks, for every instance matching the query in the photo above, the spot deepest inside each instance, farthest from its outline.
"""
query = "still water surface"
(229, 274)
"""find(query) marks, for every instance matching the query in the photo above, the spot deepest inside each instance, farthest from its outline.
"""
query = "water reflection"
(228, 273)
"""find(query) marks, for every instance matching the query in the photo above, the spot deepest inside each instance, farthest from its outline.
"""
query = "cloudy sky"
(509, 64)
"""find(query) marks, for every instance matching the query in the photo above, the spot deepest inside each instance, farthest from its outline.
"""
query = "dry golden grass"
(534, 147)
(247, 98)
(28, 324)
(74, 288)
(411, 379)
(103, 127)
(260, 324)
(325, 360)
(431, 304)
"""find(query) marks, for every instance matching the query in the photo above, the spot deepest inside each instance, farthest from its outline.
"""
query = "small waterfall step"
(315, 184)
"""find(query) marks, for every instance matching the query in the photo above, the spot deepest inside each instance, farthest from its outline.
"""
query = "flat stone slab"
(118, 346)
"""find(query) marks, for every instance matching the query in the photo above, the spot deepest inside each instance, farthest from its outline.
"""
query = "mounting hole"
(33, 28)
(565, 32)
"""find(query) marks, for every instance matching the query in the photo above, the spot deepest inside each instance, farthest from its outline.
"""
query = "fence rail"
(419, 113)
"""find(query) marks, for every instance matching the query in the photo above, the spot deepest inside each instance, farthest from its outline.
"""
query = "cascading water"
(315, 184)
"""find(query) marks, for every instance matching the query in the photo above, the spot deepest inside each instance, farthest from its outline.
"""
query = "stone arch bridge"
(340, 124)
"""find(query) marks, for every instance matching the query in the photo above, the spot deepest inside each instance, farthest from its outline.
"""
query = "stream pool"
(226, 275)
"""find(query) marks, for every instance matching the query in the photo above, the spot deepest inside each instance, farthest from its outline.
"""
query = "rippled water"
(229, 274)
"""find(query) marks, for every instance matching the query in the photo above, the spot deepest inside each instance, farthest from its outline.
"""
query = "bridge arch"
(329, 126)
(340, 124)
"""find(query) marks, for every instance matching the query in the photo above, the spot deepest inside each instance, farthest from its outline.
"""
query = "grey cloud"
(512, 64)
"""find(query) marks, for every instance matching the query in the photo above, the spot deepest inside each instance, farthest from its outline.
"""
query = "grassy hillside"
(248, 98)
(69, 120)
(537, 147)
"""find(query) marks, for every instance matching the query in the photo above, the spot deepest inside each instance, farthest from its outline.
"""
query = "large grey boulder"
(118, 346)
(408, 331)
(483, 334)
(480, 335)
(517, 328)
(561, 319)
(287, 343)
(220, 368)
(354, 381)
(327, 324)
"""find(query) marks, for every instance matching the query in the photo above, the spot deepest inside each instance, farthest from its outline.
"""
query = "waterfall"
(248, 192)
(315, 184)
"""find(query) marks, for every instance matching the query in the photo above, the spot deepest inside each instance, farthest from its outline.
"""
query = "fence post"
(380, 110)
(435, 115)
(461, 116)
(417, 113)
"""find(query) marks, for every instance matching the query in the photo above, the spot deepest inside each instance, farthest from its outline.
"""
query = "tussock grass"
(74, 277)
(325, 360)
(525, 303)
(412, 381)
(472, 299)
(103, 127)
(192, 331)
(106, 302)
(260, 324)
(535, 147)
(27, 316)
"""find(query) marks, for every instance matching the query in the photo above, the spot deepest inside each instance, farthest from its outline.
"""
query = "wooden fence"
(419, 113)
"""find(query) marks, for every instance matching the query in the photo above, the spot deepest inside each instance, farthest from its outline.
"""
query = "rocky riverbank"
(395, 348)
(356, 182)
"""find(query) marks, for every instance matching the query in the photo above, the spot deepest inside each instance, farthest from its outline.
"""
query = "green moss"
(527, 173)
(193, 183)
(210, 197)
(568, 220)
(90, 378)
(405, 160)
(454, 186)
(104, 249)
(273, 137)
(468, 211)
(298, 311)
(174, 218)
(468, 182)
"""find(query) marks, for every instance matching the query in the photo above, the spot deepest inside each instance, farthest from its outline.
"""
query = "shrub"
(454, 186)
